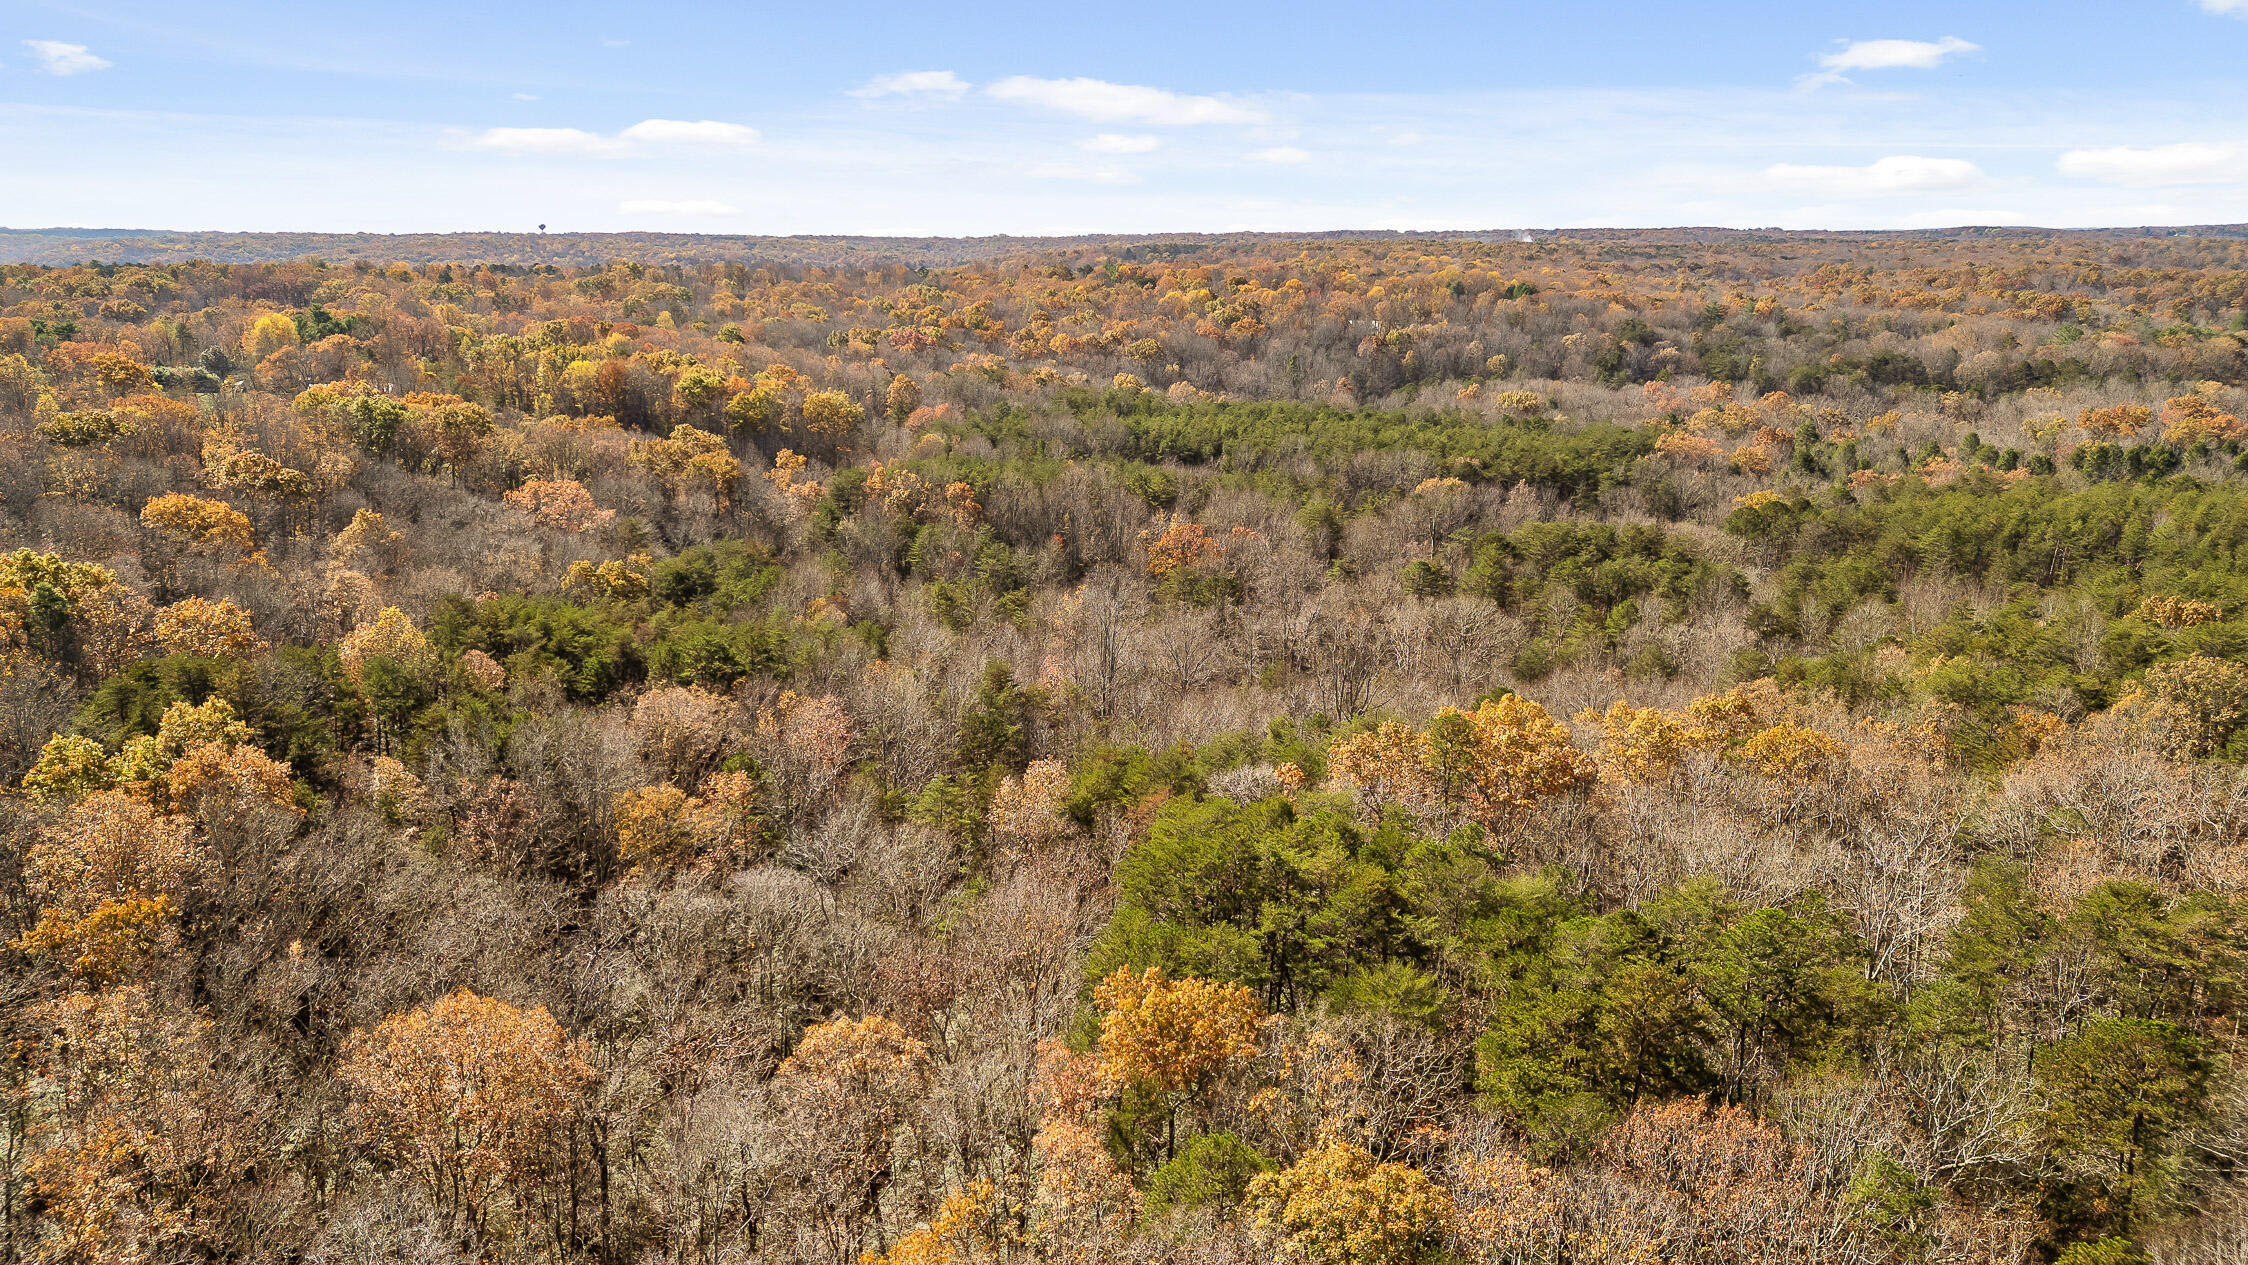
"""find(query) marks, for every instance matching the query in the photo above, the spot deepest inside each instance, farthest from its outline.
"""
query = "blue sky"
(1053, 118)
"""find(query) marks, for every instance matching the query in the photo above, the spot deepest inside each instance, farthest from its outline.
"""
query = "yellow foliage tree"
(201, 627)
(2116, 421)
(655, 825)
(474, 1100)
(131, 1120)
(268, 334)
(560, 503)
(68, 766)
(1505, 756)
(201, 524)
(1338, 1206)
(1173, 1037)
(55, 608)
(1791, 752)
(2177, 612)
(108, 878)
(831, 413)
(390, 635)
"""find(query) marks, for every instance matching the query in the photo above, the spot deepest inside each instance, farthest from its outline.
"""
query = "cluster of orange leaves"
(1746, 723)
(1181, 546)
(1505, 756)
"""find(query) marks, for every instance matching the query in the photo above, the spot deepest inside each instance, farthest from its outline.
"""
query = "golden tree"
(461, 431)
(902, 397)
(200, 524)
(655, 825)
(2174, 613)
(1503, 1209)
(369, 543)
(201, 627)
(143, 763)
(108, 878)
(390, 635)
(231, 788)
(971, 1225)
(1080, 1185)
(2202, 699)
(268, 334)
(2117, 421)
(54, 608)
(2193, 419)
(1791, 752)
(134, 1130)
(1173, 1037)
(1638, 742)
(831, 413)
(1338, 1206)
(1386, 763)
(68, 766)
(560, 503)
(1506, 756)
(474, 1099)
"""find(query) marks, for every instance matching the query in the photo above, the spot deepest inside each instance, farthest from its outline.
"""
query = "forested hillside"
(1363, 750)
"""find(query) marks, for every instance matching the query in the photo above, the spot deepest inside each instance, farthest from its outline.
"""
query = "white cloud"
(2190, 162)
(58, 58)
(1896, 54)
(1281, 154)
(2229, 8)
(1090, 175)
(687, 206)
(542, 140)
(1901, 173)
(645, 134)
(700, 132)
(525, 96)
(1407, 138)
(1888, 55)
(940, 85)
(1118, 143)
(1107, 102)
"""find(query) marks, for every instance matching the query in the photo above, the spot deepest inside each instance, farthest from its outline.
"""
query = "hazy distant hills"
(79, 245)
(128, 245)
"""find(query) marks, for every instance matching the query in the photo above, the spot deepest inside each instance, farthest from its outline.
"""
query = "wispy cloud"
(935, 85)
(1287, 154)
(543, 140)
(58, 58)
(1118, 143)
(702, 207)
(646, 134)
(1089, 175)
(700, 132)
(1106, 102)
(1901, 173)
(1836, 66)
(2189, 162)
(2229, 8)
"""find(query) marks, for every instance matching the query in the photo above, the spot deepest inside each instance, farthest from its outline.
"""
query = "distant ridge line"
(58, 246)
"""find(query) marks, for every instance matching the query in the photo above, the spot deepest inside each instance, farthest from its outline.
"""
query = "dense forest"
(1602, 748)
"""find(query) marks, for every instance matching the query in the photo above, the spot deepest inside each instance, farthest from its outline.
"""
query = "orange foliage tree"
(474, 1100)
